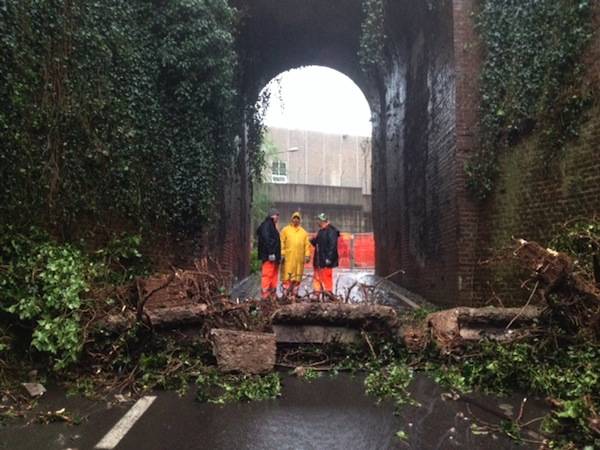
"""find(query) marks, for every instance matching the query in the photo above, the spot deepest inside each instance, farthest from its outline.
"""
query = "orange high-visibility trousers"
(323, 279)
(270, 270)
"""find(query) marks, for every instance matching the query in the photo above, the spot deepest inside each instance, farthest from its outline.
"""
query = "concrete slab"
(315, 334)
(242, 351)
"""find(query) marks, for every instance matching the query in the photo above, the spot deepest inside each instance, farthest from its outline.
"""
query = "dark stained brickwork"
(414, 165)
(425, 104)
(533, 198)
(468, 63)
(420, 126)
(535, 194)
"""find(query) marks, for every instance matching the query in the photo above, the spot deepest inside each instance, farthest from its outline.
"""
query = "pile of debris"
(572, 297)
(183, 297)
(199, 298)
(561, 295)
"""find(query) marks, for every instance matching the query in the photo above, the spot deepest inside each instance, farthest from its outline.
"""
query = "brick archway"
(424, 104)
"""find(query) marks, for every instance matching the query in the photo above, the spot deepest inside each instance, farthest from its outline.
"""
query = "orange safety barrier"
(354, 250)
(345, 250)
(364, 250)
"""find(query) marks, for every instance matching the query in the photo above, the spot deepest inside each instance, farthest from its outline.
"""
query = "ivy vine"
(531, 78)
(372, 38)
(116, 111)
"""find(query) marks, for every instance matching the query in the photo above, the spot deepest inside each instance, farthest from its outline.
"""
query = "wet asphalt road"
(328, 413)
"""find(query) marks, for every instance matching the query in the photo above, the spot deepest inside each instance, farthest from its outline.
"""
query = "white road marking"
(118, 432)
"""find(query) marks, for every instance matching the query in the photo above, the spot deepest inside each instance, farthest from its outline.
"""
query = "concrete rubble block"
(34, 389)
(363, 316)
(243, 351)
(453, 327)
(444, 329)
(315, 334)
(175, 316)
(166, 317)
(117, 323)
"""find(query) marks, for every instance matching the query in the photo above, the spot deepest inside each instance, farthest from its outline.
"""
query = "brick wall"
(467, 54)
(535, 194)
(415, 202)
(423, 122)
(532, 198)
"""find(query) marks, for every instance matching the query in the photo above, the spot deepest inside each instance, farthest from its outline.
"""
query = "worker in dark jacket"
(326, 254)
(269, 252)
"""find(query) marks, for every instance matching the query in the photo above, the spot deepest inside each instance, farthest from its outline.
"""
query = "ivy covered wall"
(550, 173)
(116, 114)
(530, 78)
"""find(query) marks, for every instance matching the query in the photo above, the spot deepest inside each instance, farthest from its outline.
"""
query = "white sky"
(319, 99)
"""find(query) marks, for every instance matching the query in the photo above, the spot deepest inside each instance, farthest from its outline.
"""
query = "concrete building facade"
(316, 172)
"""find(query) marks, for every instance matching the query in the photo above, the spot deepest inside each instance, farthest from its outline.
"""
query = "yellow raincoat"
(294, 248)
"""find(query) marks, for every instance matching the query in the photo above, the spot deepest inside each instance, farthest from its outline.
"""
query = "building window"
(279, 172)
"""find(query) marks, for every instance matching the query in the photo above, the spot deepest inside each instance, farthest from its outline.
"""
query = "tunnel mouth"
(317, 150)
(326, 87)
(418, 146)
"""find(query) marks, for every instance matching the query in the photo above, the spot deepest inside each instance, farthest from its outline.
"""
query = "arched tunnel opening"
(420, 122)
(316, 147)
(129, 157)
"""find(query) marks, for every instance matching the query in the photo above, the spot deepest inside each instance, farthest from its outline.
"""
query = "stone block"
(243, 351)
(315, 334)
(34, 389)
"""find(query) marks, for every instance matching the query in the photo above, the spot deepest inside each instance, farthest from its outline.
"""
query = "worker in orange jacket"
(295, 252)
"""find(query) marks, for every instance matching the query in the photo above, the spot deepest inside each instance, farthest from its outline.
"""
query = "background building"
(316, 172)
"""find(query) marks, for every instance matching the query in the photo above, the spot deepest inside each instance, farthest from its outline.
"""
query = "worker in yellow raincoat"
(295, 252)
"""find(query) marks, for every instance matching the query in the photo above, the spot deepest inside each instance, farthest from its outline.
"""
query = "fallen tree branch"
(524, 306)
(572, 297)
(144, 298)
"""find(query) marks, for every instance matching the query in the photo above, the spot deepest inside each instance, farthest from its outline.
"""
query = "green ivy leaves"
(115, 111)
(44, 283)
(218, 389)
(392, 382)
(579, 238)
(530, 78)
(372, 37)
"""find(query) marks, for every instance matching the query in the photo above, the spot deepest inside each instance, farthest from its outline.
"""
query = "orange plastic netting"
(355, 251)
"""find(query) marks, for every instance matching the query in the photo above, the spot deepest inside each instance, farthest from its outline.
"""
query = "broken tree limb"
(553, 269)
(524, 306)
(574, 299)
